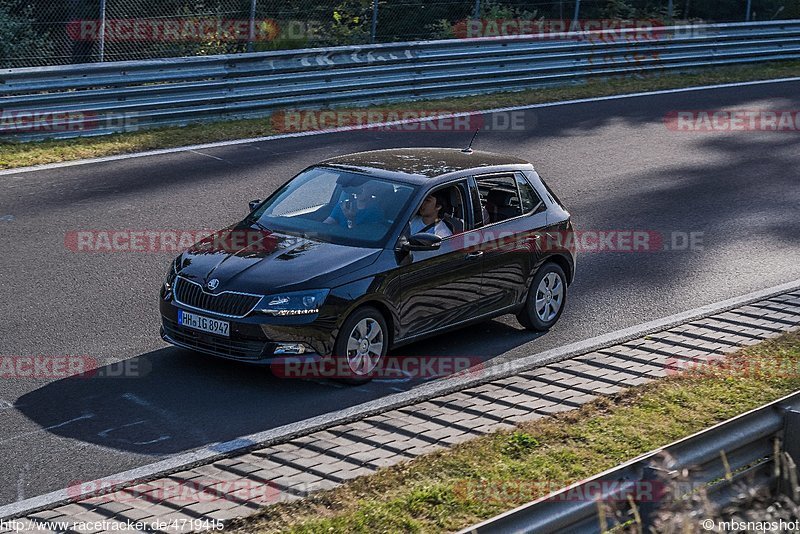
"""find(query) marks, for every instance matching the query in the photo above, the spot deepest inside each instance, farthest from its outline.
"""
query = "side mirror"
(254, 204)
(422, 241)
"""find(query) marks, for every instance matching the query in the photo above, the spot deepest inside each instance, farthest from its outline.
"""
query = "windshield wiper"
(254, 220)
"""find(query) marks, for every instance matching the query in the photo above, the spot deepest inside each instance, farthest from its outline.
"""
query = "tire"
(361, 345)
(550, 281)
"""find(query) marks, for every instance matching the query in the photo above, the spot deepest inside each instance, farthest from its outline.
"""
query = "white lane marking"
(105, 434)
(405, 378)
(24, 475)
(206, 155)
(322, 382)
(7, 218)
(45, 429)
(217, 144)
(171, 419)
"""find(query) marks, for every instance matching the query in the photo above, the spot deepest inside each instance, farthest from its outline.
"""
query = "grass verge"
(14, 155)
(438, 492)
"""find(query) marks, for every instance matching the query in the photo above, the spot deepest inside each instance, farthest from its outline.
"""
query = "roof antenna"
(468, 150)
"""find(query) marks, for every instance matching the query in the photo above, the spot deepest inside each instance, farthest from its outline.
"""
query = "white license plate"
(204, 324)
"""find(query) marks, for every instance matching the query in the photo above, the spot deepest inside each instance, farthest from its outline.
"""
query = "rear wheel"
(362, 343)
(547, 297)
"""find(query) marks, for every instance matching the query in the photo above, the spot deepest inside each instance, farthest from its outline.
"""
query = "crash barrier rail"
(102, 98)
(741, 452)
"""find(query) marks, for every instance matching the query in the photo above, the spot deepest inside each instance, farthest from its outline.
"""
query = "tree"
(22, 44)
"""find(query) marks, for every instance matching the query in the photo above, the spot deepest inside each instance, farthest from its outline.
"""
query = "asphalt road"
(614, 163)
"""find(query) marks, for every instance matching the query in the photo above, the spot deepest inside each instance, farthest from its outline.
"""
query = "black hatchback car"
(368, 251)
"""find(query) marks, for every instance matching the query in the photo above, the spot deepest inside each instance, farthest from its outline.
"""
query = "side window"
(451, 202)
(456, 204)
(500, 197)
(530, 200)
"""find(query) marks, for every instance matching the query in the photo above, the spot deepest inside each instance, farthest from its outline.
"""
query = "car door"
(510, 240)
(440, 287)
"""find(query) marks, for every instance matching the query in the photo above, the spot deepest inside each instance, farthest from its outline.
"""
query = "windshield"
(335, 205)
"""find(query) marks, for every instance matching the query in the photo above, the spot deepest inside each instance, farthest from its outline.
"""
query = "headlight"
(297, 303)
(171, 274)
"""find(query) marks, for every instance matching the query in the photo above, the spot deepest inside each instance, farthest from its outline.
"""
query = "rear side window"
(530, 200)
(499, 197)
(553, 198)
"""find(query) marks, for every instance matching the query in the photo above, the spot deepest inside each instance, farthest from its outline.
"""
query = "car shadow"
(173, 400)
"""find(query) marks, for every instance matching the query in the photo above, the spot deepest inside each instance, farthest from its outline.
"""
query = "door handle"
(474, 255)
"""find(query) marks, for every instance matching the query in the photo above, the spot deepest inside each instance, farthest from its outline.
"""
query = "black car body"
(307, 278)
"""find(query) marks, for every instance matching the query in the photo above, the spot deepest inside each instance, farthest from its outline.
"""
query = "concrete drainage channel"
(199, 490)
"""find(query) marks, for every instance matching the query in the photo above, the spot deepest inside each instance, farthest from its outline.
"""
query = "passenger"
(359, 208)
(429, 217)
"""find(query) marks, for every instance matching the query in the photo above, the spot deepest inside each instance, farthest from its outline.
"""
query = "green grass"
(14, 155)
(454, 488)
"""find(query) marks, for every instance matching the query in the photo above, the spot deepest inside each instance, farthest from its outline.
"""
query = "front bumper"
(252, 339)
(231, 348)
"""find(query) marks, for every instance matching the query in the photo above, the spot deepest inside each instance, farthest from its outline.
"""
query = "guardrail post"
(374, 29)
(574, 26)
(251, 35)
(102, 45)
(649, 506)
(791, 436)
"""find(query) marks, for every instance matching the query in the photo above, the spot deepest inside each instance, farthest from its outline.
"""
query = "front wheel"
(547, 297)
(361, 345)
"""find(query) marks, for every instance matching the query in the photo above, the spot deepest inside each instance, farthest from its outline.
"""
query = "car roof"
(424, 165)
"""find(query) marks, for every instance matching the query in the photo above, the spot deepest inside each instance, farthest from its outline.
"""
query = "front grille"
(217, 345)
(226, 303)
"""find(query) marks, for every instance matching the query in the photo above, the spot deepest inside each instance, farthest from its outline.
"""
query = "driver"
(362, 207)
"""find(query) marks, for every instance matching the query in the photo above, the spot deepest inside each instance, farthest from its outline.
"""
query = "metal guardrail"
(101, 98)
(749, 444)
